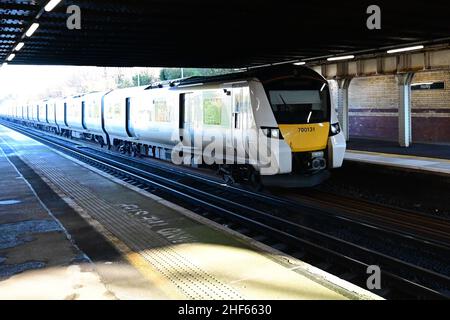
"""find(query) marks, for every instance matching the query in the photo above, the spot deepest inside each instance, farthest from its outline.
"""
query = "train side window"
(146, 110)
(113, 109)
(142, 107)
(93, 108)
(116, 109)
(216, 108)
(162, 111)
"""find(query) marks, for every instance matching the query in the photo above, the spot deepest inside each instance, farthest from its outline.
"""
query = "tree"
(175, 73)
(122, 81)
(170, 74)
(143, 79)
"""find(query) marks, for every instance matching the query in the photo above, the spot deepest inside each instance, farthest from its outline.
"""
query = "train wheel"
(254, 180)
(229, 180)
(227, 174)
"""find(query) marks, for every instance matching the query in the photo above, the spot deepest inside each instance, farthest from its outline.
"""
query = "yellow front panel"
(306, 137)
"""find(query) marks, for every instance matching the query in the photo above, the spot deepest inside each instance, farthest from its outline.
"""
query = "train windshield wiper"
(284, 102)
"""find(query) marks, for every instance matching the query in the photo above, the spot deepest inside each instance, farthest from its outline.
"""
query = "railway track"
(408, 222)
(326, 238)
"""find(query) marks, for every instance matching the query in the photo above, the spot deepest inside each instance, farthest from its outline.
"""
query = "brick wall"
(373, 106)
(431, 109)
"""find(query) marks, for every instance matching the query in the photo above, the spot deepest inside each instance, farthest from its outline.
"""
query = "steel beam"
(342, 104)
(404, 109)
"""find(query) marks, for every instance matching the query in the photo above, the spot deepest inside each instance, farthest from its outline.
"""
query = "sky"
(30, 81)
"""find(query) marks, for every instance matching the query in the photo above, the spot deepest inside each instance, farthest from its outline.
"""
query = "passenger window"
(162, 112)
(116, 110)
(94, 109)
(113, 111)
(216, 108)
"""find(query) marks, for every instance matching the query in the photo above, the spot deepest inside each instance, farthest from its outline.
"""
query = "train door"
(128, 125)
(228, 125)
(83, 114)
(187, 123)
(191, 124)
(182, 117)
(240, 114)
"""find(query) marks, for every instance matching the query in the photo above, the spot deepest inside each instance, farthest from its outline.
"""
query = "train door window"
(143, 106)
(241, 105)
(193, 109)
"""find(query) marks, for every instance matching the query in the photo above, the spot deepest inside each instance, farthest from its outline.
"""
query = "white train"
(290, 106)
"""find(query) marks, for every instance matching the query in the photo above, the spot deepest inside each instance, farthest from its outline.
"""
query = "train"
(284, 110)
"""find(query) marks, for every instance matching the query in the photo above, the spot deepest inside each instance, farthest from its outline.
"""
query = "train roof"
(263, 74)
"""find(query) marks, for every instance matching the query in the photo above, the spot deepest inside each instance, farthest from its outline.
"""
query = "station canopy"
(212, 33)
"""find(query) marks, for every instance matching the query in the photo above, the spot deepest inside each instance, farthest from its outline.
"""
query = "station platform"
(420, 157)
(426, 150)
(69, 231)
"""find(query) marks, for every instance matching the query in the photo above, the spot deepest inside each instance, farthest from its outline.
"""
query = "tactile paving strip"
(191, 280)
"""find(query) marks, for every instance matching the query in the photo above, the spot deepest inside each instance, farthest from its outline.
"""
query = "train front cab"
(311, 142)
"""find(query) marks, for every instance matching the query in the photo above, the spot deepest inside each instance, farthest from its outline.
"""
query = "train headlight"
(271, 132)
(335, 129)
(275, 133)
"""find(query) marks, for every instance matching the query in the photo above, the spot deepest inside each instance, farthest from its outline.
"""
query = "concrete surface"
(421, 164)
(152, 249)
(35, 250)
